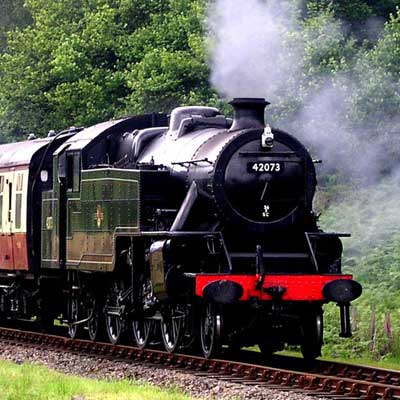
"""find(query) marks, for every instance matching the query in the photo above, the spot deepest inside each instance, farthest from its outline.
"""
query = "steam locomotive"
(192, 229)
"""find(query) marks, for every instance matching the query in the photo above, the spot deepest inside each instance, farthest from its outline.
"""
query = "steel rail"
(323, 367)
(331, 380)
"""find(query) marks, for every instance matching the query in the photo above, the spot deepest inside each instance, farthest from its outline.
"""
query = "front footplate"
(230, 288)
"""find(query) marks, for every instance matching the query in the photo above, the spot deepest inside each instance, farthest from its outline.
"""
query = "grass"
(389, 363)
(33, 382)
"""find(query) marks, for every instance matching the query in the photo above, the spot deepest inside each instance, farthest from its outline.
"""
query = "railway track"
(326, 379)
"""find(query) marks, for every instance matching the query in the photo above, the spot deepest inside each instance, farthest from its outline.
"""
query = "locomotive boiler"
(192, 229)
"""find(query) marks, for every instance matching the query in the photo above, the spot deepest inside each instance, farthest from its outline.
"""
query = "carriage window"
(19, 182)
(18, 207)
(18, 200)
(9, 201)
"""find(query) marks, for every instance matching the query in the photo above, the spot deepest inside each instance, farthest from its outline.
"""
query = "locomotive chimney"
(248, 113)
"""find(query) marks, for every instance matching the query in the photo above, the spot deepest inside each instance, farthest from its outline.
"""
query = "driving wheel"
(171, 327)
(113, 312)
(211, 325)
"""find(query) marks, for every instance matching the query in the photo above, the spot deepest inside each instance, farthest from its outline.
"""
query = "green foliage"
(166, 60)
(372, 254)
(83, 61)
(355, 10)
(328, 49)
(61, 71)
(13, 15)
(379, 71)
(75, 62)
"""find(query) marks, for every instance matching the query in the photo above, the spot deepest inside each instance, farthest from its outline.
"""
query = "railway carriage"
(195, 230)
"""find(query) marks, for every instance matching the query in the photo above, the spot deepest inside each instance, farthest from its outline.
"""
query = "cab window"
(73, 172)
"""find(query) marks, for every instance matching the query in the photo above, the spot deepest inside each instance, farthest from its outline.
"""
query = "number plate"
(260, 167)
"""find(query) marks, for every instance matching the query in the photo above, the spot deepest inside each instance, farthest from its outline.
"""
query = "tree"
(13, 15)
(82, 61)
(166, 60)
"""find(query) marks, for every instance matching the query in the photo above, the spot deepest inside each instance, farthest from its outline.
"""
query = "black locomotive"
(196, 231)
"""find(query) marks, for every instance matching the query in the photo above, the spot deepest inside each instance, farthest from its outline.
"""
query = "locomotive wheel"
(114, 322)
(93, 323)
(171, 328)
(74, 330)
(142, 329)
(267, 348)
(211, 325)
(45, 317)
(312, 332)
(114, 328)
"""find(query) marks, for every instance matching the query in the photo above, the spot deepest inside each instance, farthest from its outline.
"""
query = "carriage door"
(6, 253)
(19, 244)
(6, 247)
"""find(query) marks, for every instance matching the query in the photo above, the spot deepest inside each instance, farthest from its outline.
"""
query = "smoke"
(263, 49)
(250, 38)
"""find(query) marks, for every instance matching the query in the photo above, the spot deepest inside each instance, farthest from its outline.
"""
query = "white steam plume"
(250, 39)
(259, 50)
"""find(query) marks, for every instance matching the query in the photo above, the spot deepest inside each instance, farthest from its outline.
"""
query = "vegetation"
(33, 382)
(76, 62)
(373, 256)
(82, 61)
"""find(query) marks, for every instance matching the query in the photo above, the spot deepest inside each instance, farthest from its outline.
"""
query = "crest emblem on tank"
(99, 216)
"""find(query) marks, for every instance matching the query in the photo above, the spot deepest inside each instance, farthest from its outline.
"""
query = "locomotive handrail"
(174, 233)
(194, 162)
(269, 255)
(338, 234)
(266, 153)
(308, 235)
(171, 234)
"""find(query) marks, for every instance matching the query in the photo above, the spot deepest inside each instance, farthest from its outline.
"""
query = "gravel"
(102, 368)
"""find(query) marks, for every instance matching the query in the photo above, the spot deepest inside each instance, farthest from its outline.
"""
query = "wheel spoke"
(171, 328)
(174, 329)
(93, 323)
(210, 330)
(114, 322)
(141, 331)
(72, 327)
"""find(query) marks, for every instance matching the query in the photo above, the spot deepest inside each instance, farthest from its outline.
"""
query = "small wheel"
(93, 322)
(114, 322)
(211, 330)
(312, 340)
(74, 329)
(267, 348)
(171, 328)
(45, 317)
(142, 329)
